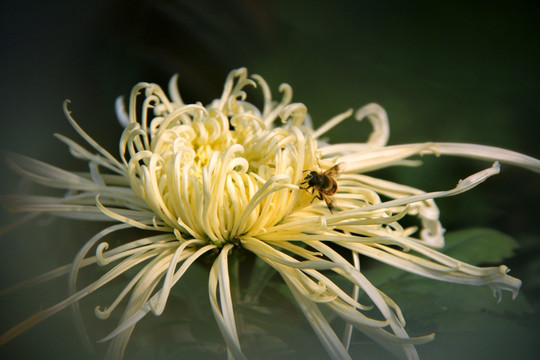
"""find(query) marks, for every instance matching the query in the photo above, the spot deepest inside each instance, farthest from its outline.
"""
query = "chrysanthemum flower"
(211, 178)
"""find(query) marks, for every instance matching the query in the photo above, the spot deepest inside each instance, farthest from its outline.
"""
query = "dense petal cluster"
(211, 178)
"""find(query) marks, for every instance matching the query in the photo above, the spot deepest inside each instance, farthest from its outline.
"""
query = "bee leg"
(319, 196)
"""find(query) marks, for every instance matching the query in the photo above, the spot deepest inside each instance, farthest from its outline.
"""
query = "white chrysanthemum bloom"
(210, 178)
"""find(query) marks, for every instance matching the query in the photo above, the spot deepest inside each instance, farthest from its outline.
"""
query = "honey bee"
(324, 183)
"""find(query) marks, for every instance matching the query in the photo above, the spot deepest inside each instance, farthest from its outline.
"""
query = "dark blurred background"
(444, 71)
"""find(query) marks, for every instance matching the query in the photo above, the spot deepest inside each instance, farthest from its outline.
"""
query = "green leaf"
(479, 246)
(427, 296)
(284, 330)
(479, 335)
(258, 280)
(421, 298)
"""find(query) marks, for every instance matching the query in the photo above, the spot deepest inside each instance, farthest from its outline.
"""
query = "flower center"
(218, 172)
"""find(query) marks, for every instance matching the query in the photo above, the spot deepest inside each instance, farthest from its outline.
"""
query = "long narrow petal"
(223, 312)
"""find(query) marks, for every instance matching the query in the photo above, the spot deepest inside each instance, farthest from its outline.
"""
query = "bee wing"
(340, 167)
(335, 170)
(329, 203)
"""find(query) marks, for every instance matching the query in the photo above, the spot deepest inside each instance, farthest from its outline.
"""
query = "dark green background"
(444, 71)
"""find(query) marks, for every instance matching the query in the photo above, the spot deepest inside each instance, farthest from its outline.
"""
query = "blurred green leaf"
(479, 335)
(426, 301)
(379, 273)
(478, 246)
(260, 276)
(427, 296)
(279, 331)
